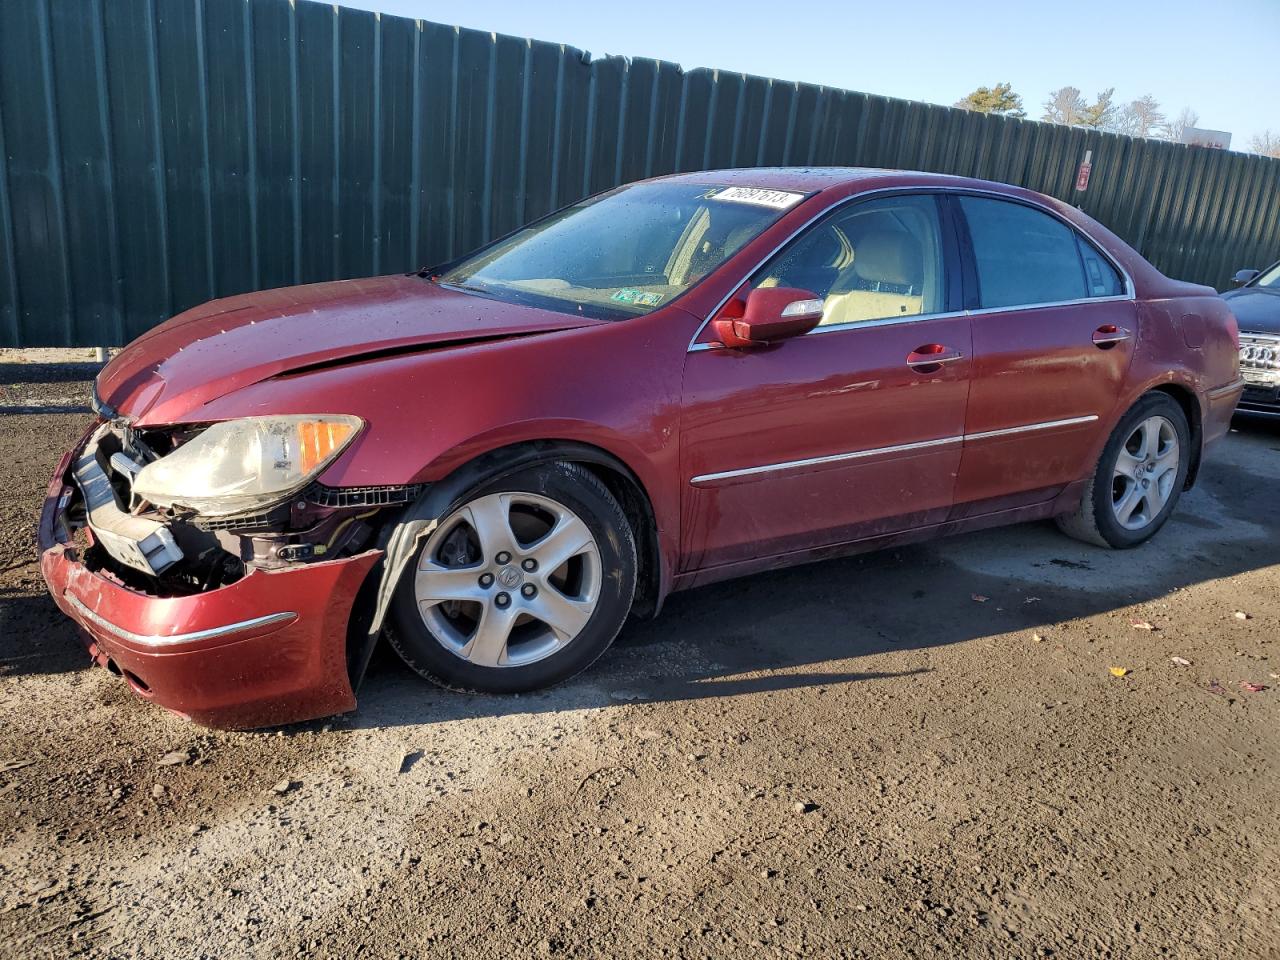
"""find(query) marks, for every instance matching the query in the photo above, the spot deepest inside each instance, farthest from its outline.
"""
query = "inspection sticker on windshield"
(641, 298)
(777, 199)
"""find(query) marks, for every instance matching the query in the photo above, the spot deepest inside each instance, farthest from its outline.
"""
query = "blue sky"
(1221, 59)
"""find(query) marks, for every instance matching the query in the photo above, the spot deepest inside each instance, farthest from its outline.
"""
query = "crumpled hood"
(167, 374)
(1257, 311)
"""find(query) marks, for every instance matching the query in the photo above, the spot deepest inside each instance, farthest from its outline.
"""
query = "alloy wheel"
(1145, 472)
(508, 579)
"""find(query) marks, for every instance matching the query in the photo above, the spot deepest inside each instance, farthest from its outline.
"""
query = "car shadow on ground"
(809, 626)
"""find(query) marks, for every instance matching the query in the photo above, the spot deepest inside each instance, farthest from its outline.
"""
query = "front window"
(880, 260)
(625, 253)
(1270, 279)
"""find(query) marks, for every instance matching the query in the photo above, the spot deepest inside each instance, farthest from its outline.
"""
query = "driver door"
(851, 431)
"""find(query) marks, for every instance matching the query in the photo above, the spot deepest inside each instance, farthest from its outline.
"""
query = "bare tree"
(1065, 105)
(1141, 118)
(1266, 143)
(1179, 124)
(1068, 105)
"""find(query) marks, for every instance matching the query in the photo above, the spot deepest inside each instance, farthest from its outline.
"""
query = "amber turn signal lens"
(319, 439)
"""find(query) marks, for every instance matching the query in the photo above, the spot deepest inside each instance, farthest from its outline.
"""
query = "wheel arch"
(1187, 400)
(400, 534)
(618, 477)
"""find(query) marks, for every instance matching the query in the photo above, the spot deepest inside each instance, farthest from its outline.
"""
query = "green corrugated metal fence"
(157, 153)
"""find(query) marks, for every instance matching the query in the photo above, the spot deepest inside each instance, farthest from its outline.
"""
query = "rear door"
(1054, 325)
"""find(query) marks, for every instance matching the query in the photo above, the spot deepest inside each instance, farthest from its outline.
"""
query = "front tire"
(522, 585)
(1139, 477)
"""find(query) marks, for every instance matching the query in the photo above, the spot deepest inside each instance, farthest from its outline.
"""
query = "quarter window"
(1099, 274)
(880, 260)
(1025, 257)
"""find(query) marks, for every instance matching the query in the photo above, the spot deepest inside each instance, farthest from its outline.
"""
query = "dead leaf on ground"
(1119, 671)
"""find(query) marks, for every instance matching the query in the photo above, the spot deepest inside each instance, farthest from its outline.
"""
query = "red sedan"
(494, 462)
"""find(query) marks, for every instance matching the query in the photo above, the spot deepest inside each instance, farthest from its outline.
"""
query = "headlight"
(242, 465)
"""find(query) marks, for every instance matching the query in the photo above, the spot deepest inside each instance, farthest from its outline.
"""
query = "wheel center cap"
(509, 577)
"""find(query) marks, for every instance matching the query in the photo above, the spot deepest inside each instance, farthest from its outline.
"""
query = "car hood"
(1257, 311)
(167, 374)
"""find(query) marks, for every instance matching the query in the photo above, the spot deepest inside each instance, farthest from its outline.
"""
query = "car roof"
(1147, 280)
(812, 179)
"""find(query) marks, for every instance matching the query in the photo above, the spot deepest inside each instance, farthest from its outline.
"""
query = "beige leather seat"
(880, 258)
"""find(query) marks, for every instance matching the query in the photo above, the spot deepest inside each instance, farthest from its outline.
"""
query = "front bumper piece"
(270, 648)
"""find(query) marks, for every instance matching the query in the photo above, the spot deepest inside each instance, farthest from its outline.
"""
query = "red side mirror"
(771, 314)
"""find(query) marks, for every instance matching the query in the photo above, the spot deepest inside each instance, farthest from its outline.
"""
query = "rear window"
(1023, 256)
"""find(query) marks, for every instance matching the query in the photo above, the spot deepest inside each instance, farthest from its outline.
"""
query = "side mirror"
(1244, 276)
(771, 314)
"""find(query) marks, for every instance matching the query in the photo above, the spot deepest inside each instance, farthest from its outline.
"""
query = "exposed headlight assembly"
(240, 466)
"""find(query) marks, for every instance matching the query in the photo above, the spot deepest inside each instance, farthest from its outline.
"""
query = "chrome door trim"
(1023, 307)
(154, 640)
(704, 478)
(849, 325)
(1031, 427)
(1109, 338)
(936, 361)
(816, 461)
(1129, 294)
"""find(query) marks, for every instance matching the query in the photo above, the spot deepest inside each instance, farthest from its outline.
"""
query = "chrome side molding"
(707, 478)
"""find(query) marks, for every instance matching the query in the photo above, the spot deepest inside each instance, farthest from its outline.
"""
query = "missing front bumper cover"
(137, 542)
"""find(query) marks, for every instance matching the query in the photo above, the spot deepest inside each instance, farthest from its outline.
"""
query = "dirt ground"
(860, 758)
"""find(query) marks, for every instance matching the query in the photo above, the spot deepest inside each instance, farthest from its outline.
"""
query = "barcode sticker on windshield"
(777, 199)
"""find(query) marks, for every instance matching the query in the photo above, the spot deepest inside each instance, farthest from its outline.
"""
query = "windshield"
(1269, 279)
(624, 253)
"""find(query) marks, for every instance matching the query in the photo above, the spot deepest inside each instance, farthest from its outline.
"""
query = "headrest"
(825, 249)
(888, 256)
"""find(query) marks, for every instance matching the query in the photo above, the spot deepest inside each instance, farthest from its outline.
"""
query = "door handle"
(1108, 335)
(930, 357)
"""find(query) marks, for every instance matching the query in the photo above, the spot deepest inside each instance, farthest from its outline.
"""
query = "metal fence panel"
(155, 154)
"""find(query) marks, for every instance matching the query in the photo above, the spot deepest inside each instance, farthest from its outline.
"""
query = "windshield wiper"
(468, 288)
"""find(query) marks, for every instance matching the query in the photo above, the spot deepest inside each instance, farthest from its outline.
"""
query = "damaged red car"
(495, 462)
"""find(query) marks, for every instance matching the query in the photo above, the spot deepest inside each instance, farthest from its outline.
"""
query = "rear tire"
(1139, 477)
(522, 585)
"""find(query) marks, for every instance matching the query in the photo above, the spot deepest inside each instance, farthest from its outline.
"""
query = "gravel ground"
(922, 752)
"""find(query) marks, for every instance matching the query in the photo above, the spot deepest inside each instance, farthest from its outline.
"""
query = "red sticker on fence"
(1082, 176)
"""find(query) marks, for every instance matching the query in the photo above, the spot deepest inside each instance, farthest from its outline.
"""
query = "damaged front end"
(234, 618)
(176, 550)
